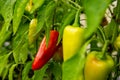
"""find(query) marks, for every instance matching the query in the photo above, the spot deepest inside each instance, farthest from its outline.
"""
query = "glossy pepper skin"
(96, 68)
(45, 52)
(72, 41)
(32, 30)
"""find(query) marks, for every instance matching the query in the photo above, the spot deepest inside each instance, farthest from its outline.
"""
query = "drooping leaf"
(117, 12)
(2, 2)
(26, 70)
(5, 72)
(56, 69)
(18, 13)
(41, 19)
(37, 4)
(38, 75)
(72, 72)
(7, 13)
(16, 51)
(3, 51)
(95, 10)
(11, 71)
(75, 71)
(24, 52)
(49, 19)
(111, 30)
(3, 61)
(19, 42)
(67, 19)
(4, 34)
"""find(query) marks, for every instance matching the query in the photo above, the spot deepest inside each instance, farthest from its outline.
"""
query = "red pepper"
(45, 52)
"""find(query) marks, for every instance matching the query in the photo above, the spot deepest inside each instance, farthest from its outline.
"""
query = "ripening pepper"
(29, 6)
(72, 41)
(32, 30)
(97, 68)
(45, 52)
(117, 43)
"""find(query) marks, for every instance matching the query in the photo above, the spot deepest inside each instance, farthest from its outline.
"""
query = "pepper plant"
(47, 40)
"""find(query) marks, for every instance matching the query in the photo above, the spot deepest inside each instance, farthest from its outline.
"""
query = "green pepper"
(72, 41)
(32, 30)
(97, 68)
(117, 43)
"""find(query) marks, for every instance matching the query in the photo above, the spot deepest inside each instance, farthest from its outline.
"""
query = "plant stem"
(103, 55)
(27, 17)
(77, 19)
(74, 4)
(101, 31)
(69, 5)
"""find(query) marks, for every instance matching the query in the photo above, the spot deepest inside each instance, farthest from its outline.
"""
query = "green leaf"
(41, 19)
(18, 13)
(3, 51)
(3, 61)
(4, 34)
(2, 2)
(5, 72)
(67, 19)
(47, 35)
(95, 10)
(20, 42)
(7, 13)
(117, 12)
(38, 75)
(49, 13)
(71, 72)
(37, 4)
(24, 52)
(26, 70)
(111, 30)
(75, 71)
(11, 71)
(16, 51)
(56, 69)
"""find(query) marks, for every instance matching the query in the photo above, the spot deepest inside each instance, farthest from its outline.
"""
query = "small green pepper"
(32, 30)
(117, 43)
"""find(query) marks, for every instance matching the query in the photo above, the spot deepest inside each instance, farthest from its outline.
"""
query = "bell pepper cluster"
(98, 64)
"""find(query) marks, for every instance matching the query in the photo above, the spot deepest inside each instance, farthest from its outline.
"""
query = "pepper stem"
(77, 19)
(103, 55)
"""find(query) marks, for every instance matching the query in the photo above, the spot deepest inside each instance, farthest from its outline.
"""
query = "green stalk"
(103, 54)
(74, 3)
(77, 19)
(102, 33)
